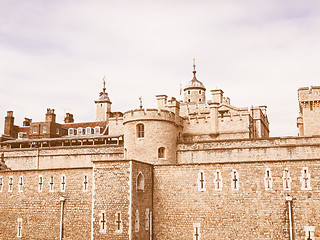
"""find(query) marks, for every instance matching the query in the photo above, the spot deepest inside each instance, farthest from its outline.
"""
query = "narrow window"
(188, 92)
(57, 131)
(19, 232)
(85, 183)
(63, 183)
(286, 179)
(268, 179)
(44, 129)
(35, 130)
(51, 184)
(70, 131)
(218, 180)
(305, 179)
(118, 222)
(196, 231)
(234, 180)
(199, 99)
(103, 222)
(136, 221)
(309, 231)
(311, 106)
(97, 130)
(40, 184)
(200, 92)
(140, 182)
(1, 184)
(10, 184)
(140, 130)
(147, 219)
(189, 100)
(161, 152)
(20, 184)
(201, 181)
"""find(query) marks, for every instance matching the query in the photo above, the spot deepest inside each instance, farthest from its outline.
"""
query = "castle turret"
(103, 104)
(151, 135)
(308, 121)
(194, 92)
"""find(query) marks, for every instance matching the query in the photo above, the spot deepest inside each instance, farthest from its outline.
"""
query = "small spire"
(104, 83)
(140, 99)
(194, 67)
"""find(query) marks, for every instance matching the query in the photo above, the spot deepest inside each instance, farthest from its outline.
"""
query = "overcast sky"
(53, 54)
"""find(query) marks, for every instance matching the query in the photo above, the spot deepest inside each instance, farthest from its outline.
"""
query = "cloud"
(54, 54)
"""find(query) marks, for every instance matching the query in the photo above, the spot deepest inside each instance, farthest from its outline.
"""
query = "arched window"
(140, 182)
(161, 152)
(140, 130)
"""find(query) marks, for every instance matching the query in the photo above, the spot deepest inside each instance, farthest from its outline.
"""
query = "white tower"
(103, 104)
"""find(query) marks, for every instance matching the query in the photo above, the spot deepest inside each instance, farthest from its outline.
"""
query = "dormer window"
(20, 135)
(88, 130)
(97, 130)
(80, 131)
(70, 131)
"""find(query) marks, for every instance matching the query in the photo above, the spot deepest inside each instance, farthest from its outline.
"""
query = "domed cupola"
(103, 104)
(194, 92)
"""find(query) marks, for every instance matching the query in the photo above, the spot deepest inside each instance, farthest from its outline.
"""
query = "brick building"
(192, 169)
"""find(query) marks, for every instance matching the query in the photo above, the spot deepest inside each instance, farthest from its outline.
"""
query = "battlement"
(306, 94)
(149, 114)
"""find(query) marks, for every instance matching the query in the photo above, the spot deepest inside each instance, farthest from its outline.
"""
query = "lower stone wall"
(181, 204)
(40, 211)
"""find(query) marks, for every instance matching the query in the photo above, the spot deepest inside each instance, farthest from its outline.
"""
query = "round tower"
(150, 135)
(194, 92)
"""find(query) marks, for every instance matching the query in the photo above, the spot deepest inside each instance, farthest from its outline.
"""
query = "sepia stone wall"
(59, 157)
(250, 212)
(116, 191)
(40, 212)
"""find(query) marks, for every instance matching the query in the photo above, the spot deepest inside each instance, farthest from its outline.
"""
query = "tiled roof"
(102, 124)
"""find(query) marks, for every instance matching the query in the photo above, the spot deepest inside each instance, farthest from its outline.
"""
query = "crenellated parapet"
(309, 111)
(151, 115)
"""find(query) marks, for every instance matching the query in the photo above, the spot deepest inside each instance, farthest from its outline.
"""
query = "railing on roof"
(63, 142)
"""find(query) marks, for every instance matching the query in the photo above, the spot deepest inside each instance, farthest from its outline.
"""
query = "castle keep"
(192, 169)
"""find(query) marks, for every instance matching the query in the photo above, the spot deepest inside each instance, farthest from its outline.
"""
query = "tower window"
(137, 222)
(10, 184)
(103, 222)
(218, 180)
(63, 183)
(200, 91)
(268, 179)
(40, 183)
(140, 182)
(118, 222)
(188, 92)
(189, 100)
(19, 233)
(286, 179)
(161, 152)
(234, 180)
(85, 184)
(1, 184)
(140, 130)
(199, 99)
(305, 179)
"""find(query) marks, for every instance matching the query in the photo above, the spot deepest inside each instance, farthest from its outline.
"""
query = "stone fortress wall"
(186, 170)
